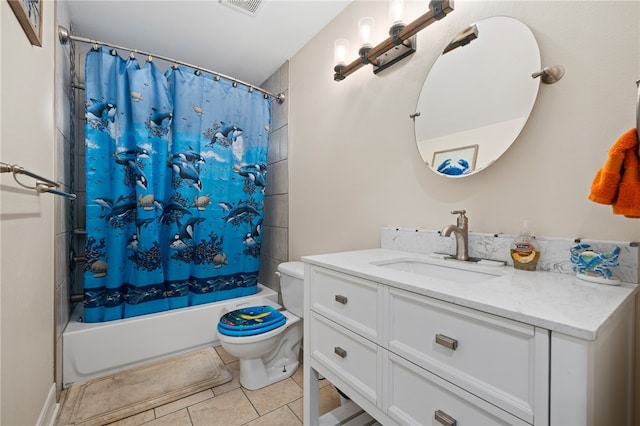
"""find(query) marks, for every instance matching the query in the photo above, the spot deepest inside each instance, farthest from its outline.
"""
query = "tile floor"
(231, 404)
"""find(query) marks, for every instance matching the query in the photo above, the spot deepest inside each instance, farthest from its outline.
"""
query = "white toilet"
(267, 342)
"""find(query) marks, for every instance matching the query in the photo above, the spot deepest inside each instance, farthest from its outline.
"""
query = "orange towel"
(628, 200)
(618, 182)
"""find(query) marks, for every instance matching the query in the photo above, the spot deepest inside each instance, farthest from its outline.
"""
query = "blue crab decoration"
(460, 167)
(589, 262)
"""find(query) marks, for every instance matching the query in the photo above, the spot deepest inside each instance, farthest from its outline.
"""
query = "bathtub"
(92, 350)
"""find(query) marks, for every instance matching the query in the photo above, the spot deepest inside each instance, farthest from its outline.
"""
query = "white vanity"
(491, 345)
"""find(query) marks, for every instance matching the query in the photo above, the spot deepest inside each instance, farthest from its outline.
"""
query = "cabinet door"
(502, 361)
(349, 301)
(348, 355)
(417, 397)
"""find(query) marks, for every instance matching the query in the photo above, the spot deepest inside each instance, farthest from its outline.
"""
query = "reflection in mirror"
(477, 97)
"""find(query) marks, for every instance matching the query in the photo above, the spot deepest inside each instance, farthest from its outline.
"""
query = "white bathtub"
(92, 350)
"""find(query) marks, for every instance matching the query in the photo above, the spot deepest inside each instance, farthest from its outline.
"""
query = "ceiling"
(207, 33)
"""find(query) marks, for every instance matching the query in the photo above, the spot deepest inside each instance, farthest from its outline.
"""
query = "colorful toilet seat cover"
(250, 321)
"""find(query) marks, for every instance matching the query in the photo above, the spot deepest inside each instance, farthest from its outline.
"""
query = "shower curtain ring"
(149, 58)
(95, 46)
(131, 55)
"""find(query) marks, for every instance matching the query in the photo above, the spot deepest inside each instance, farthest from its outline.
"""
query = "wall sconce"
(400, 44)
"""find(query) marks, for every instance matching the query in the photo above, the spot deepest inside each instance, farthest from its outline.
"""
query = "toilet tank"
(292, 286)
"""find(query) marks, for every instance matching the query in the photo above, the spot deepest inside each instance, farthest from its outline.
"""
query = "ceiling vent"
(248, 7)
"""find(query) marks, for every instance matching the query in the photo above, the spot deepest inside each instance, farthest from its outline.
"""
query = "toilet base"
(254, 375)
(268, 357)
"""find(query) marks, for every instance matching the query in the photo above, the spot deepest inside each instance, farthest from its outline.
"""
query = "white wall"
(353, 162)
(27, 138)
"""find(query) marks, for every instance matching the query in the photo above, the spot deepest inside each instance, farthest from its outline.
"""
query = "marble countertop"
(557, 302)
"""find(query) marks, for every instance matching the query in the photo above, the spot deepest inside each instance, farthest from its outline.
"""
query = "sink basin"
(433, 270)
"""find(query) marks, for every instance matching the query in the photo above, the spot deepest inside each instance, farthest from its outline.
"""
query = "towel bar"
(42, 184)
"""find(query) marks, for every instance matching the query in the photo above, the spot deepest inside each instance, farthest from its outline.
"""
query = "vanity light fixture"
(400, 43)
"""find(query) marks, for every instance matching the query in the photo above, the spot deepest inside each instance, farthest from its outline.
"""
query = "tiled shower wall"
(79, 233)
(64, 165)
(275, 225)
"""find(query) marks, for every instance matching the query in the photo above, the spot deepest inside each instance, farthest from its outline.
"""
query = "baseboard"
(50, 409)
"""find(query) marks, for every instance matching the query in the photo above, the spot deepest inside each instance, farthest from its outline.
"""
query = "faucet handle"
(462, 219)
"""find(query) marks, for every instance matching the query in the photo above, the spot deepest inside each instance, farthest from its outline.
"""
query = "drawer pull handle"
(341, 299)
(447, 342)
(443, 418)
(340, 352)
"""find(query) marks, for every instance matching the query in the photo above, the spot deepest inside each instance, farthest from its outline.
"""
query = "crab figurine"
(589, 263)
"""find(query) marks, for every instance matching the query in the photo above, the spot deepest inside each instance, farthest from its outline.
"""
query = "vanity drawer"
(492, 357)
(353, 358)
(349, 301)
(417, 397)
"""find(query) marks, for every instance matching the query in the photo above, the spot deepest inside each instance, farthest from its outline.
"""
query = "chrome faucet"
(461, 233)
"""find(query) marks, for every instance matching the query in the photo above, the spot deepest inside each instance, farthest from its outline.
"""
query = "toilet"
(265, 340)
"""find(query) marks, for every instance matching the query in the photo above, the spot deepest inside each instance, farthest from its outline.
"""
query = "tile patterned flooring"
(231, 404)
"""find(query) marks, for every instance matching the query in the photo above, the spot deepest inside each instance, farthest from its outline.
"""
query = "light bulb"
(396, 12)
(365, 30)
(340, 51)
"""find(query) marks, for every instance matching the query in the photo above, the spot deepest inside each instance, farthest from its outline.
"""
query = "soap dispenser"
(524, 251)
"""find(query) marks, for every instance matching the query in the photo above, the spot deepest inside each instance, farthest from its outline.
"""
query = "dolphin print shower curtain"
(175, 177)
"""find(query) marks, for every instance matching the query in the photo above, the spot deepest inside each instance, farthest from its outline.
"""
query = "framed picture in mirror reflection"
(456, 161)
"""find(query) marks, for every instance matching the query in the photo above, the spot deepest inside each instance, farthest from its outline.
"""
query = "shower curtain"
(175, 177)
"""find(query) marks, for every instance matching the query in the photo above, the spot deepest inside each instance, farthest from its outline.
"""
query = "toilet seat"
(250, 321)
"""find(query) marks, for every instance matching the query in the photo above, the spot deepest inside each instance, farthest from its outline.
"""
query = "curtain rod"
(64, 36)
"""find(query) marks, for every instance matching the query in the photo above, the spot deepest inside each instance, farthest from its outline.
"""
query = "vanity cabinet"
(410, 359)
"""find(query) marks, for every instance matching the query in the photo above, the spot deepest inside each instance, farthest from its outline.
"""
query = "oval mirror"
(477, 97)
